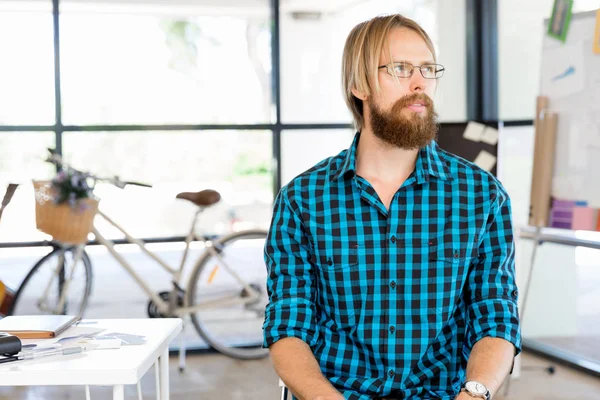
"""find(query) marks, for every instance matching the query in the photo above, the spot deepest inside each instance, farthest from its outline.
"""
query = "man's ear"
(358, 94)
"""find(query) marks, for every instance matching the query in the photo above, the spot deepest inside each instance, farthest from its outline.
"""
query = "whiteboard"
(571, 79)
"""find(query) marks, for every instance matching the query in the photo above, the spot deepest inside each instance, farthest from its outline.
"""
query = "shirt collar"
(349, 161)
(430, 162)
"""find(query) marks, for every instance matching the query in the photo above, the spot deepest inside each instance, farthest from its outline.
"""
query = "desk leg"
(164, 375)
(157, 377)
(139, 390)
(119, 392)
(182, 351)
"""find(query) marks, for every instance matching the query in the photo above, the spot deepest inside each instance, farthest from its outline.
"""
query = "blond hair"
(361, 57)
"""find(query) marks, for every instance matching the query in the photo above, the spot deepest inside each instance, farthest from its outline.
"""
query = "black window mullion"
(482, 60)
(276, 95)
(58, 131)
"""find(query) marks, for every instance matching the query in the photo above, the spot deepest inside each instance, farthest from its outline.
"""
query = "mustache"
(412, 99)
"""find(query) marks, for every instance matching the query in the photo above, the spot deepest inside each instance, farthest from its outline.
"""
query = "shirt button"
(391, 373)
(393, 239)
(393, 284)
(392, 329)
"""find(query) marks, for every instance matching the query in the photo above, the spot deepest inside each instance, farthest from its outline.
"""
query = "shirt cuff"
(496, 318)
(289, 320)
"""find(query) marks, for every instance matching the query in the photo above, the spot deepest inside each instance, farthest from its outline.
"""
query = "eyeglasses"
(405, 70)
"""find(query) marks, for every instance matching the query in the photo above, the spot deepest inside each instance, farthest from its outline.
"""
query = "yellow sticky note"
(597, 34)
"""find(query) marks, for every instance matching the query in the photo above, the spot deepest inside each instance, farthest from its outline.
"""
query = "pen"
(32, 356)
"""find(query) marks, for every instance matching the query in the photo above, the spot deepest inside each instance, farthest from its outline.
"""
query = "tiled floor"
(217, 377)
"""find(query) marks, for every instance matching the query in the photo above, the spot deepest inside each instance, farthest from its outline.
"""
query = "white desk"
(118, 367)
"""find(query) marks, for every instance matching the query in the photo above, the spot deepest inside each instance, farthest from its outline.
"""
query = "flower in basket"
(71, 186)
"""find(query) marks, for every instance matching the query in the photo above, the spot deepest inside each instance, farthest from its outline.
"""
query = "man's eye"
(401, 68)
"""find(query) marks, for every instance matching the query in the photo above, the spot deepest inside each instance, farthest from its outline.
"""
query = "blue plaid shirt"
(391, 302)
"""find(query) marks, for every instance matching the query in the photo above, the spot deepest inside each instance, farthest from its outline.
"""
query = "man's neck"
(381, 162)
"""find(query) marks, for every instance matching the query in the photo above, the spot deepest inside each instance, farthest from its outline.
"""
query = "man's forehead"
(405, 45)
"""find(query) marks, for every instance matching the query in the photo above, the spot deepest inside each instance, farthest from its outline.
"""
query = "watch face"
(475, 387)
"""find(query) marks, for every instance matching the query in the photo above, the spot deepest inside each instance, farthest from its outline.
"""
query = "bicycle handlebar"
(57, 160)
(137, 184)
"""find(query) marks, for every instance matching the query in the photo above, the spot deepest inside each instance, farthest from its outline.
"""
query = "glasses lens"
(430, 71)
(402, 70)
(439, 71)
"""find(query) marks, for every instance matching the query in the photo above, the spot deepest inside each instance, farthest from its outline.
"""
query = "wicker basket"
(63, 222)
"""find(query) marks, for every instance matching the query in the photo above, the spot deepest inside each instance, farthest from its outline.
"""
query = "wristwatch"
(476, 389)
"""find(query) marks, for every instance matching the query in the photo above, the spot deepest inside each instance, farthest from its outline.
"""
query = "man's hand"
(334, 396)
(465, 396)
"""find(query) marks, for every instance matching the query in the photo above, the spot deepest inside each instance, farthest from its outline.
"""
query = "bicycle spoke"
(55, 285)
(228, 294)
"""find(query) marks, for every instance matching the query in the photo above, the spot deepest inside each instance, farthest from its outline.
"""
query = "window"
(235, 163)
(153, 67)
(22, 157)
(302, 149)
(27, 67)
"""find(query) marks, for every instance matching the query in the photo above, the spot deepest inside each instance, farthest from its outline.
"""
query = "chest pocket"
(337, 255)
(452, 251)
(339, 286)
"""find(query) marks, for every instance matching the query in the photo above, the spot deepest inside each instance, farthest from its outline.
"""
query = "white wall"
(557, 305)
(552, 305)
(520, 33)
(451, 45)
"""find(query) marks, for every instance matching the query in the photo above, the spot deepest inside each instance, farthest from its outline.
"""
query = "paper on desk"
(72, 334)
(126, 338)
(101, 344)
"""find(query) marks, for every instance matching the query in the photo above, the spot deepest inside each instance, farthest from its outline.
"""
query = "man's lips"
(417, 107)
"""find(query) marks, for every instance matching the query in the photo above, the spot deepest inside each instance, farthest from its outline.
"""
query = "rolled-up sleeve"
(492, 290)
(290, 283)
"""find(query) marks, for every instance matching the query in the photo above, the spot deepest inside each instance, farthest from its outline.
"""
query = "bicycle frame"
(166, 308)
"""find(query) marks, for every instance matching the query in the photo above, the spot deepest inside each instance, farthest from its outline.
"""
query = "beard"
(404, 128)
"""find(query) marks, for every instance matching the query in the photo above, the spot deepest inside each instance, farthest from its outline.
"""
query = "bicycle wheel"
(41, 289)
(228, 286)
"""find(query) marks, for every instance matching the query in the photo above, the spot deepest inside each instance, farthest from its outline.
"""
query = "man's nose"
(417, 82)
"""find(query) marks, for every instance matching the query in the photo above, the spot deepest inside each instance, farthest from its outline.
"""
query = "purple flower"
(61, 176)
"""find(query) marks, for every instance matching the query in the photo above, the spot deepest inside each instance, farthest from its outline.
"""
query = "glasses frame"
(389, 69)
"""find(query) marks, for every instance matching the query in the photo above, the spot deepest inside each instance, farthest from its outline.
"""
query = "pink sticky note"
(584, 218)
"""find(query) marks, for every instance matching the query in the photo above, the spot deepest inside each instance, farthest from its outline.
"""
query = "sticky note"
(485, 160)
(490, 136)
(584, 218)
(474, 131)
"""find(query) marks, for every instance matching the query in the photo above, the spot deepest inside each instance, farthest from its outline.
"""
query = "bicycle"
(225, 296)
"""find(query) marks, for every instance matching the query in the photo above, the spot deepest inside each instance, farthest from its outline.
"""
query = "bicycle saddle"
(203, 198)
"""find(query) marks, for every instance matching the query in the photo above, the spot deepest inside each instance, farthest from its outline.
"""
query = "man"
(391, 265)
